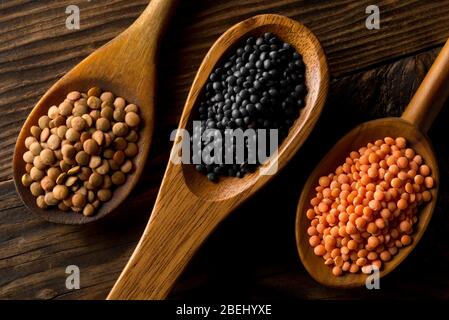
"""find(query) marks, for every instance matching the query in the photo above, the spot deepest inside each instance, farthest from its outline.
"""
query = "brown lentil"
(26, 180)
(71, 181)
(94, 162)
(36, 174)
(54, 142)
(78, 200)
(94, 102)
(45, 133)
(47, 183)
(72, 135)
(74, 95)
(104, 168)
(74, 170)
(66, 108)
(60, 192)
(90, 196)
(103, 124)
(132, 119)
(132, 108)
(91, 147)
(119, 143)
(88, 210)
(35, 148)
(104, 195)
(131, 150)
(78, 123)
(28, 167)
(94, 91)
(118, 178)
(107, 112)
(36, 131)
(119, 115)
(36, 189)
(43, 122)
(127, 166)
(50, 199)
(28, 157)
(47, 157)
(85, 173)
(119, 157)
(37, 162)
(80, 108)
(88, 119)
(63, 207)
(53, 173)
(107, 182)
(61, 178)
(120, 129)
(98, 136)
(95, 180)
(108, 97)
(113, 165)
(40, 202)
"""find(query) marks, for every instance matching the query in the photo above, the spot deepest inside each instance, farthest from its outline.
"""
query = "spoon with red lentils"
(369, 201)
(83, 147)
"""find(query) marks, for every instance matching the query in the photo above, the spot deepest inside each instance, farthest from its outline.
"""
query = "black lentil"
(260, 84)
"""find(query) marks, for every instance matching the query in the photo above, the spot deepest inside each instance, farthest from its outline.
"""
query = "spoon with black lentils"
(259, 85)
(126, 68)
(268, 72)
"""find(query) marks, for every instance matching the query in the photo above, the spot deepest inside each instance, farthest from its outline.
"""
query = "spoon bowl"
(189, 207)
(316, 78)
(413, 124)
(355, 139)
(125, 66)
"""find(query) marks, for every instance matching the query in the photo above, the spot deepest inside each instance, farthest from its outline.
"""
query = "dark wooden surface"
(374, 74)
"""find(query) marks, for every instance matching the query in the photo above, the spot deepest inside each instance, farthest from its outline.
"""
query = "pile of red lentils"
(365, 212)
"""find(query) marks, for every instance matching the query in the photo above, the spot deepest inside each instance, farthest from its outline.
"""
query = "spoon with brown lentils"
(81, 150)
(102, 170)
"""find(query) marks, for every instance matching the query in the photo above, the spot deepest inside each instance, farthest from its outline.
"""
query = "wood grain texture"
(253, 253)
(254, 249)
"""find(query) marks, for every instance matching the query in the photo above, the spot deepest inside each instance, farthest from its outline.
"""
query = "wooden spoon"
(125, 66)
(413, 125)
(189, 207)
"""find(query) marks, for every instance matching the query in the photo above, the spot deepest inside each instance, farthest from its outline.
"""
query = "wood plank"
(253, 254)
(36, 48)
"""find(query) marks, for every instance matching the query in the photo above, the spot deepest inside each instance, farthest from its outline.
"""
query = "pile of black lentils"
(259, 85)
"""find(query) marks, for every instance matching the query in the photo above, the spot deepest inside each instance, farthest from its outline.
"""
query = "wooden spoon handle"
(153, 21)
(177, 227)
(431, 94)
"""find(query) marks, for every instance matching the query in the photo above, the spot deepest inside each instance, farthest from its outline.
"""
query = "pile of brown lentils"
(81, 150)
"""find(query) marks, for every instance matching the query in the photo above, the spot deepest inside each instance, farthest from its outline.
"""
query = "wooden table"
(253, 254)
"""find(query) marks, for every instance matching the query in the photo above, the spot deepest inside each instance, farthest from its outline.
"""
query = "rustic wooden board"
(375, 74)
(242, 258)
